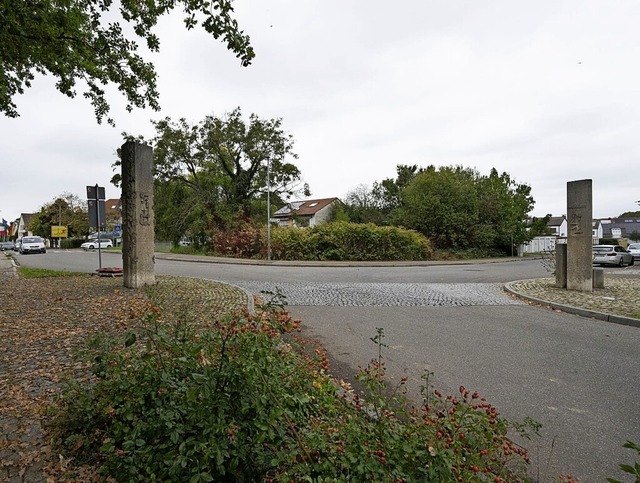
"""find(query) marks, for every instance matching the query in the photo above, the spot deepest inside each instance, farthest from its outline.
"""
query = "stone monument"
(579, 238)
(138, 236)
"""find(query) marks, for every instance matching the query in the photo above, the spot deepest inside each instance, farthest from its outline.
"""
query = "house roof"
(626, 226)
(303, 208)
(113, 207)
(556, 220)
(26, 218)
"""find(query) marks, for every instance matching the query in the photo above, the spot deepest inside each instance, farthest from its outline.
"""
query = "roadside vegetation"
(245, 398)
(31, 272)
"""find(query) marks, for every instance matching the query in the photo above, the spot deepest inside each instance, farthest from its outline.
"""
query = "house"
(620, 228)
(113, 214)
(596, 231)
(305, 213)
(23, 225)
(557, 227)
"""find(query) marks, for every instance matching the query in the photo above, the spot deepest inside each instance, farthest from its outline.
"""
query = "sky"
(547, 91)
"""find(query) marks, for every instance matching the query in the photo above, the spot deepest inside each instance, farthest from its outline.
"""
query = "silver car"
(611, 255)
(32, 244)
(634, 249)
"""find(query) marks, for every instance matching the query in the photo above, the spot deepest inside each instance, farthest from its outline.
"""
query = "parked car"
(611, 255)
(32, 244)
(16, 244)
(634, 249)
(93, 244)
(6, 246)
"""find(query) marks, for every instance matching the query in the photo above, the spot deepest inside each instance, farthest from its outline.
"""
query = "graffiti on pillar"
(575, 224)
(145, 210)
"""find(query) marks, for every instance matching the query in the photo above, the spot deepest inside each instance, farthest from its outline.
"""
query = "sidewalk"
(618, 302)
(7, 268)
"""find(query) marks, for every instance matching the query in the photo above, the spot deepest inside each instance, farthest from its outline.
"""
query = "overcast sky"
(546, 90)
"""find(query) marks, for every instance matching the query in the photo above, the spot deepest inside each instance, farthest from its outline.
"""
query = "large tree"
(87, 40)
(457, 208)
(66, 210)
(221, 164)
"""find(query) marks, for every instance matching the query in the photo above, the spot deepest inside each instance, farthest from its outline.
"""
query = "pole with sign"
(97, 218)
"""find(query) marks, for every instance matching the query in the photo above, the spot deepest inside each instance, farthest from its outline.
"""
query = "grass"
(30, 272)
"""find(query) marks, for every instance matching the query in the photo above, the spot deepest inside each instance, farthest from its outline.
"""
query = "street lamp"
(268, 209)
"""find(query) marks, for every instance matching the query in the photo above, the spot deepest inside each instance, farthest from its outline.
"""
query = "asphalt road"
(577, 376)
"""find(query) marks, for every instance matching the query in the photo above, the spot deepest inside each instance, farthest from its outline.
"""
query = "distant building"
(305, 213)
(620, 228)
(23, 225)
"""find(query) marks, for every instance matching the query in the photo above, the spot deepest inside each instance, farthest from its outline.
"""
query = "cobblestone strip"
(384, 294)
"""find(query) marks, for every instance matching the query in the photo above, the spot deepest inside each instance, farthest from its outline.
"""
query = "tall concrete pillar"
(579, 252)
(561, 265)
(138, 237)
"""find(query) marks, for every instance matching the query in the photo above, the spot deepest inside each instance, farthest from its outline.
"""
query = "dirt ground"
(42, 322)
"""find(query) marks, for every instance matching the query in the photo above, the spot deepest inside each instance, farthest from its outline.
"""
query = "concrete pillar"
(579, 217)
(598, 278)
(561, 265)
(138, 237)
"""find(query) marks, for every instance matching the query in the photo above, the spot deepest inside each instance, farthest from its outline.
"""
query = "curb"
(614, 319)
(329, 263)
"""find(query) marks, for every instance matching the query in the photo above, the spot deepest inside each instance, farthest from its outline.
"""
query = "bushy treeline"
(330, 241)
(349, 241)
(456, 208)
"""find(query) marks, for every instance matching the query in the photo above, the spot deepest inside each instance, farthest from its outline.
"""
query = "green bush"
(349, 241)
(71, 242)
(608, 241)
(238, 402)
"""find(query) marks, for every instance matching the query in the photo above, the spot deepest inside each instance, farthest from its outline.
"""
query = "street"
(576, 376)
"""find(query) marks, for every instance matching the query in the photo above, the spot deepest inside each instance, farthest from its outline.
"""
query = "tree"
(361, 205)
(221, 165)
(85, 40)
(459, 209)
(66, 210)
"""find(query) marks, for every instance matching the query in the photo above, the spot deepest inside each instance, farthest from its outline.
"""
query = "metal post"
(99, 224)
(268, 210)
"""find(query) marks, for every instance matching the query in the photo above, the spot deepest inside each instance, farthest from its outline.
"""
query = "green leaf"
(130, 339)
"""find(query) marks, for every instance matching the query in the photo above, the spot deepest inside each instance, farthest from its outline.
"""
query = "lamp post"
(268, 209)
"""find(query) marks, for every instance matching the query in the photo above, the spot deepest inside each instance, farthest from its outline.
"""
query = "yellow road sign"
(59, 231)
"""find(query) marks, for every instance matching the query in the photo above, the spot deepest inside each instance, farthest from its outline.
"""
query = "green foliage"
(236, 402)
(457, 208)
(86, 41)
(68, 243)
(30, 272)
(348, 241)
(208, 174)
(68, 210)
(634, 469)
(634, 236)
(608, 241)
(630, 214)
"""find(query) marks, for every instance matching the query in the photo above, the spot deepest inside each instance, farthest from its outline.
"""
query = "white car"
(611, 255)
(32, 244)
(93, 244)
(634, 249)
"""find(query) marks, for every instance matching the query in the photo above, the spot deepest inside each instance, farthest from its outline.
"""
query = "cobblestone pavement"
(620, 297)
(385, 294)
